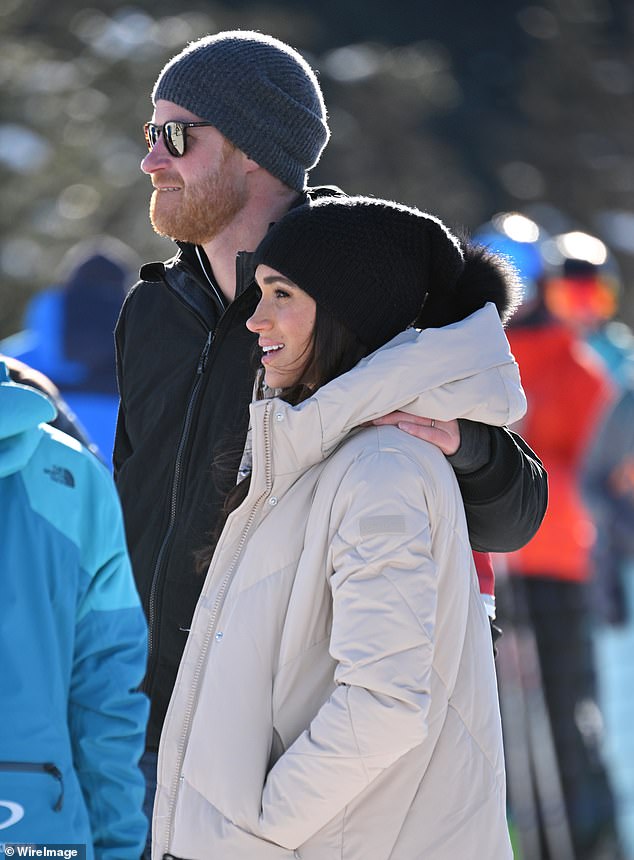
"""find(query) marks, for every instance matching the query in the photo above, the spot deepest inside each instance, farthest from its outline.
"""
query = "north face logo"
(61, 475)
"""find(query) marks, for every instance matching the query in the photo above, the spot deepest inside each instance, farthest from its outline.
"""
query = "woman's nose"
(258, 321)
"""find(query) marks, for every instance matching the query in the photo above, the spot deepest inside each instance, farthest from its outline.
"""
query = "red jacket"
(567, 389)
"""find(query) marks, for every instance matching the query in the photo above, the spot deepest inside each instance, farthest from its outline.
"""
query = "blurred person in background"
(69, 334)
(568, 389)
(73, 643)
(239, 121)
(582, 287)
(608, 483)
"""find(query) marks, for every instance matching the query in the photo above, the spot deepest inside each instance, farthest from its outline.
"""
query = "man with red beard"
(239, 120)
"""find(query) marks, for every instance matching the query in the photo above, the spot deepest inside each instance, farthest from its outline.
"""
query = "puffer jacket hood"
(22, 411)
(475, 347)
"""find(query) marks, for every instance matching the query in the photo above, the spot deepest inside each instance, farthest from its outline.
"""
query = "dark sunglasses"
(174, 135)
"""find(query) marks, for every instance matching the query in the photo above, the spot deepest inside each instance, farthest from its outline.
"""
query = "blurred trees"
(461, 108)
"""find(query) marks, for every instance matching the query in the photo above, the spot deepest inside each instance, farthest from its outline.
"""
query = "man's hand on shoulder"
(444, 434)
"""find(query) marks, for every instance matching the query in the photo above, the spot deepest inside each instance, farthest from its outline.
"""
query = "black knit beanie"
(379, 267)
(259, 93)
(369, 262)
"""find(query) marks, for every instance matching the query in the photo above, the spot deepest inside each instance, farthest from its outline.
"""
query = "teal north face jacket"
(72, 643)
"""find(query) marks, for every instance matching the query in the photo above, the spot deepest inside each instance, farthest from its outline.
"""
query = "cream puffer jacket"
(337, 695)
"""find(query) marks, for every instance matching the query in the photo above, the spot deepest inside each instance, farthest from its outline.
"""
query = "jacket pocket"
(47, 769)
(277, 749)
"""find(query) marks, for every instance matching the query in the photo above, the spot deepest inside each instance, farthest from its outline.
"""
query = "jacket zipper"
(221, 300)
(202, 364)
(35, 767)
(176, 479)
(211, 627)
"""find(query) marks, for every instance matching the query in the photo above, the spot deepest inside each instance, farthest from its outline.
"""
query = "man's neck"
(243, 234)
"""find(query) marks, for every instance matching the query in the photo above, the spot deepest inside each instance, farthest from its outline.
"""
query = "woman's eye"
(281, 294)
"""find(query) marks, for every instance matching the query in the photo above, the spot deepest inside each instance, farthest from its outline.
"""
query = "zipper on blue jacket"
(35, 767)
(176, 479)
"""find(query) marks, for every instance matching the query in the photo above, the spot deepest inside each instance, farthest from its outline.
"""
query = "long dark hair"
(333, 350)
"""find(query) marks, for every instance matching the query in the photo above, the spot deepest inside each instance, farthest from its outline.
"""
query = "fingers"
(444, 434)
(422, 431)
(398, 416)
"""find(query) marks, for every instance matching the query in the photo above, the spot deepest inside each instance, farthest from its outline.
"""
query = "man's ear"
(249, 164)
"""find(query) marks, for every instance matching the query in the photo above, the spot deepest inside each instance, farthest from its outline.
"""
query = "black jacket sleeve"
(505, 496)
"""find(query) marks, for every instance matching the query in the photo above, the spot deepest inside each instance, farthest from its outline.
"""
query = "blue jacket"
(72, 643)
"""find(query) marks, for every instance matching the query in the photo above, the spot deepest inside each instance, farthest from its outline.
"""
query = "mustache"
(167, 180)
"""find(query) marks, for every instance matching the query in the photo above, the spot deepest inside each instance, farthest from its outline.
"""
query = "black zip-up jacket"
(185, 369)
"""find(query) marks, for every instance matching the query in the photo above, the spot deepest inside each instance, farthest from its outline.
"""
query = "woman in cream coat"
(337, 696)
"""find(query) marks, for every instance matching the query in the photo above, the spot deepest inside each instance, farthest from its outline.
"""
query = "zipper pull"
(202, 361)
(57, 774)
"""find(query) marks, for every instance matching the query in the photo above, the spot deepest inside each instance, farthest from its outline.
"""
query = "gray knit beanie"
(259, 93)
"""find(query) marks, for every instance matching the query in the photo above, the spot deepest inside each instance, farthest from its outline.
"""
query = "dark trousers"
(558, 614)
(148, 768)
